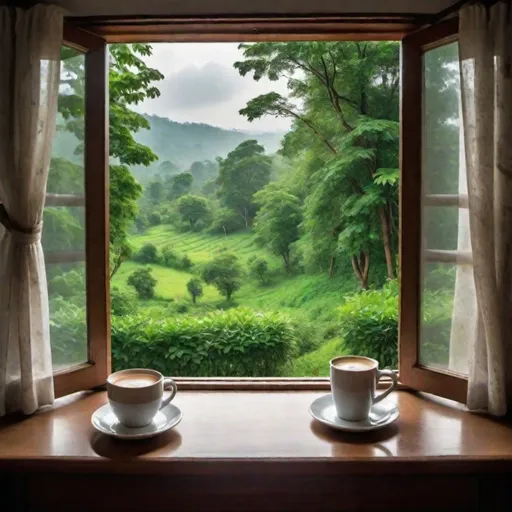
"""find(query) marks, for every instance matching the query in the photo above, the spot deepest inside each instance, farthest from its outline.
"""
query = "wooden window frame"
(412, 373)
(92, 35)
(94, 372)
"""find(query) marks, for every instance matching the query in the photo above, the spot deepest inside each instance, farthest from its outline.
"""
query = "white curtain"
(29, 82)
(485, 49)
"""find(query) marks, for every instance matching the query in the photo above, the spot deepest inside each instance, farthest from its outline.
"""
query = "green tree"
(130, 82)
(226, 221)
(195, 288)
(241, 174)
(343, 99)
(143, 282)
(259, 269)
(155, 191)
(148, 253)
(180, 185)
(277, 221)
(193, 209)
(117, 255)
(202, 172)
(225, 273)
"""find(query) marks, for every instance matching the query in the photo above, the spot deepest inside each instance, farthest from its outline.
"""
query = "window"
(64, 225)
(434, 252)
(437, 291)
(73, 239)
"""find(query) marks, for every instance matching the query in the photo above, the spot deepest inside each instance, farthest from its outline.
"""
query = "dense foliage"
(143, 282)
(234, 343)
(225, 273)
(369, 324)
(195, 288)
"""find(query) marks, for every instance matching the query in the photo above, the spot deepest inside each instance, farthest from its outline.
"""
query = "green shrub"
(225, 273)
(68, 332)
(172, 259)
(143, 282)
(121, 303)
(154, 219)
(258, 268)
(181, 307)
(234, 343)
(67, 285)
(195, 288)
(369, 324)
(186, 263)
(148, 253)
(227, 221)
(437, 309)
(307, 337)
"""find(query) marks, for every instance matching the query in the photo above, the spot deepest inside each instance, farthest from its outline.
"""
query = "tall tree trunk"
(332, 266)
(361, 266)
(225, 230)
(193, 298)
(286, 259)
(386, 241)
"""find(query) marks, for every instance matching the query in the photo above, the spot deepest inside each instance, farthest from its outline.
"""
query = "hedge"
(369, 325)
(233, 343)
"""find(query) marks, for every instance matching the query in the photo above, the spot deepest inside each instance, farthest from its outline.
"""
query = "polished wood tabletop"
(253, 426)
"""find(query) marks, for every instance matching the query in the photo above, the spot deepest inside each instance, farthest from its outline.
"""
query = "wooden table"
(258, 451)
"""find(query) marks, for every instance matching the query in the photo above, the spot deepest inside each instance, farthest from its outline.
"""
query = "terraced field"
(201, 247)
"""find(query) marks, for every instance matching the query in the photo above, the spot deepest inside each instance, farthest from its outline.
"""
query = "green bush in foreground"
(369, 324)
(235, 343)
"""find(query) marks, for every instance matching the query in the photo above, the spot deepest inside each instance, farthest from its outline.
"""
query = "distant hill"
(177, 144)
(184, 143)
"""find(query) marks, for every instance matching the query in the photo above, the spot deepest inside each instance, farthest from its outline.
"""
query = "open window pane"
(64, 220)
(265, 250)
(447, 290)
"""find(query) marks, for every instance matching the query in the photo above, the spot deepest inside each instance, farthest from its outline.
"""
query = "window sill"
(248, 429)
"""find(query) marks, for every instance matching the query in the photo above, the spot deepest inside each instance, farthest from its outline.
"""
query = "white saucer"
(382, 414)
(105, 421)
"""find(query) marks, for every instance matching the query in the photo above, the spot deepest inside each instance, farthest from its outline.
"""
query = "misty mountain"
(177, 145)
(185, 143)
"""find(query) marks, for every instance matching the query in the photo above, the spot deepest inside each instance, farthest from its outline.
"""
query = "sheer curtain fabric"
(30, 44)
(485, 49)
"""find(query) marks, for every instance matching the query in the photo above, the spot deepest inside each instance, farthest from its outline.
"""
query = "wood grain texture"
(250, 28)
(257, 452)
(250, 428)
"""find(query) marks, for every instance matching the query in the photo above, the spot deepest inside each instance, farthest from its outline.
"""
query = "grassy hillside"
(311, 300)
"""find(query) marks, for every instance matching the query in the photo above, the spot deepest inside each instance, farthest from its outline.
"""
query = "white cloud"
(201, 86)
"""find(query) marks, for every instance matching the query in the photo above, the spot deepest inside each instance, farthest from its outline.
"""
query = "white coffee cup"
(136, 395)
(353, 384)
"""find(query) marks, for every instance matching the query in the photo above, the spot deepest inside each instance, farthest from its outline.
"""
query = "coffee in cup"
(137, 395)
(353, 384)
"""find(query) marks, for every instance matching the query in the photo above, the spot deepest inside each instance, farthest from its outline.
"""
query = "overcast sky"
(201, 86)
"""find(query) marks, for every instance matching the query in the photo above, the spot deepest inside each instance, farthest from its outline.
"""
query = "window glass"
(64, 220)
(448, 300)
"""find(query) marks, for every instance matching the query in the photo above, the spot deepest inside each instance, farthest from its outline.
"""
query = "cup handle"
(167, 400)
(394, 378)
